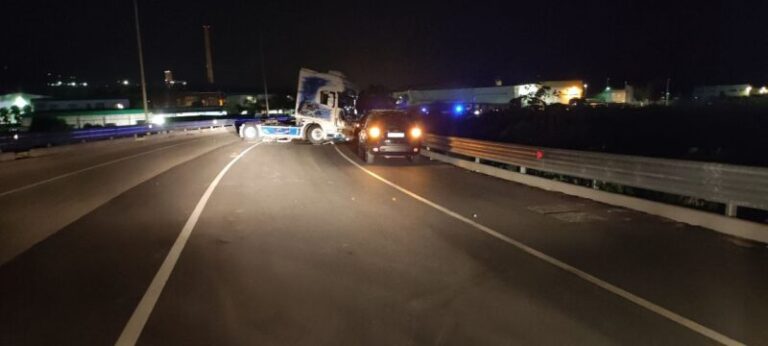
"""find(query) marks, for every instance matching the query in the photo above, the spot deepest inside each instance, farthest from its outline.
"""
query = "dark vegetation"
(730, 134)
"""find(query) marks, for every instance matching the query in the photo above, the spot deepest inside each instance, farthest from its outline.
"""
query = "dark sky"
(393, 43)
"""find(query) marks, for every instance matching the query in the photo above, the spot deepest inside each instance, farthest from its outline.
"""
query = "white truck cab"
(324, 101)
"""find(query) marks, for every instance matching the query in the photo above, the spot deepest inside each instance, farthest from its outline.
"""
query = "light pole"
(141, 62)
(263, 70)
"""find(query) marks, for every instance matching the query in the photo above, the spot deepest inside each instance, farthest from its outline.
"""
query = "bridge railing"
(733, 186)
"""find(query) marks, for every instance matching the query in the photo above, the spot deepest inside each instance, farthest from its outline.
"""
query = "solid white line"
(688, 323)
(136, 323)
(46, 181)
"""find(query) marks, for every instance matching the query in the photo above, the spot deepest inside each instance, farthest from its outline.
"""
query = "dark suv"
(390, 133)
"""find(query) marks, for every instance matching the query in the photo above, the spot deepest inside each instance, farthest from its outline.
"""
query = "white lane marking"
(685, 322)
(135, 325)
(49, 180)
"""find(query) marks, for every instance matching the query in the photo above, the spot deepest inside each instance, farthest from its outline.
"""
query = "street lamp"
(141, 62)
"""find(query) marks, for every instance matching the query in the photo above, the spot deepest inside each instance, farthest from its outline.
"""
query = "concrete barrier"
(41, 152)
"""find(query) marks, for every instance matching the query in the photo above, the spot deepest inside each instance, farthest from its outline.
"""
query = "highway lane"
(670, 263)
(42, 195)
(298, 246)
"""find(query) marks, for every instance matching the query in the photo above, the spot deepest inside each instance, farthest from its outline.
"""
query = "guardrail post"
(523, 170)
(477, 160)
(731, 209)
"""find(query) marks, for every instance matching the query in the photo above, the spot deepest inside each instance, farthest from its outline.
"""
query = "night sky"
(393, 43)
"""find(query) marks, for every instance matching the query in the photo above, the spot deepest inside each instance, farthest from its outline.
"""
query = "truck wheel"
(315, 134)
(250, 132)
(369, 158)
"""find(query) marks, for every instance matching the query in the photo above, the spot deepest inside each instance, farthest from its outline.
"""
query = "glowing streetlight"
(20, 102)
(141, 61)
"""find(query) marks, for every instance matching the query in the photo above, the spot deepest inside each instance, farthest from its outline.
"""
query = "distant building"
(168, 74)
(59, 81)
(170, 82)
(54, 104)
(558, 92)
(722, 91)
(177, 98)
(563, 91)
(618, 96)
(278, 103)
(96, 118)
(20, 100)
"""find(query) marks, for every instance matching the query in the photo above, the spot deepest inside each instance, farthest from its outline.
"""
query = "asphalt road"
(296, 245)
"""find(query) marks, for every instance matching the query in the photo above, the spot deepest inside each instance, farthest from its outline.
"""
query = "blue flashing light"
(424, 110)
(458, 109)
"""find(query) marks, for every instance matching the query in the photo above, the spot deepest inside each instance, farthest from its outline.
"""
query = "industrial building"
(561, 92)
(19, 100)
(54, 104)
(718, 91)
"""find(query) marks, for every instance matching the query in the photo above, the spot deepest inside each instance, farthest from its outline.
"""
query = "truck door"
(330, 101)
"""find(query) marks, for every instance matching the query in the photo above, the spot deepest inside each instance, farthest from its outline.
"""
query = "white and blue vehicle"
(325, 104)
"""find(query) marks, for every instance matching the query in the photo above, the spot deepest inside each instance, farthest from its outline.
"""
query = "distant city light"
(748, 90)
(424, 110)
(158, 120)
(477, 112)
(20, 102)
(573, 92)
(15, 136)
(120, 106)
(126, 82)
(763, 91)
(607, 88)
(85, 84)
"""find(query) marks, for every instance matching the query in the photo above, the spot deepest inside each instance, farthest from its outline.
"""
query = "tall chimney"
(208, 55)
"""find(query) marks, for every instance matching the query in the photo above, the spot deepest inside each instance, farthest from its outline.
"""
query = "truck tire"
(250, 132)
(315, 134)
(369, 158)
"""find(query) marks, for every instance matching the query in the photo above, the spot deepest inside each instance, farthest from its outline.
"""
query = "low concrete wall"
(723, 224)
(38, 152)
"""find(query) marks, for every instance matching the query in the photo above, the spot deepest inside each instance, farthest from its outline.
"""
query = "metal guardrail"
(22, 141)
(734, 186)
